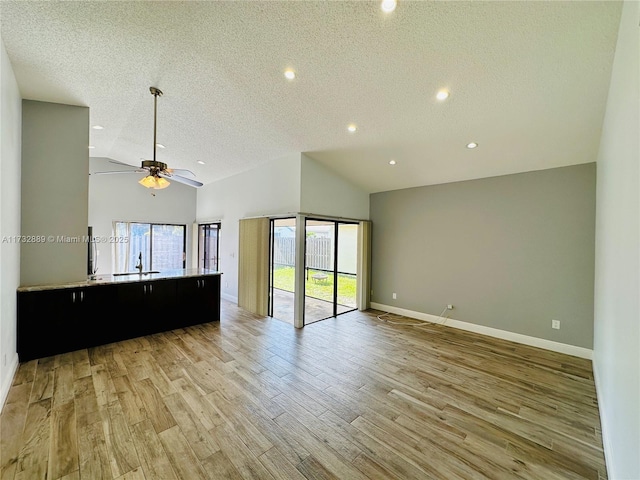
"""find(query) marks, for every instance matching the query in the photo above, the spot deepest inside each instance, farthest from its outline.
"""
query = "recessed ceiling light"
(91, 146)
(442, 95)
(352, 127)
(159, 145)
(472, 145)
(200, 162)
(289, 74)
(388, 6)
(392, 162)
(97, 127)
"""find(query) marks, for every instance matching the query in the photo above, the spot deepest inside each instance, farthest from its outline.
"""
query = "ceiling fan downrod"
(156, 92)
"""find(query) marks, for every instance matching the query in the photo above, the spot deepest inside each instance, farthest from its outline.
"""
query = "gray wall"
(55, 183)
(617, 281)
(510, 252)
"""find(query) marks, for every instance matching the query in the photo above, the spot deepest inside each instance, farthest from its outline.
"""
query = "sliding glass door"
(156, 246)
(282, 268)
(347, 267)
(331, 249)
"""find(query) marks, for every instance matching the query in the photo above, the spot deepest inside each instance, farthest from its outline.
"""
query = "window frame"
(201, 253)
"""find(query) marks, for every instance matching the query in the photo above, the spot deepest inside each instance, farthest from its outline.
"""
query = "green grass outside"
(283, 278)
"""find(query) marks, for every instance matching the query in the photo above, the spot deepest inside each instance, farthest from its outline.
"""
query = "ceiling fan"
(157, 172)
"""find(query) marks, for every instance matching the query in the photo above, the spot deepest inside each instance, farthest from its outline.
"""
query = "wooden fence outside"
(319, 252)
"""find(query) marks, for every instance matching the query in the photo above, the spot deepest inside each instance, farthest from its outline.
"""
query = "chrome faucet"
(139, 265)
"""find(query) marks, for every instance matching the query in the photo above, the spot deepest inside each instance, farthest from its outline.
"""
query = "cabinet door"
(130, 307)
(63, 320)
(42, 326)
(74, 329)
(187, 303)
(145, 307)
(94, 315)
(211, 298)
(159, 306)
(199, 300)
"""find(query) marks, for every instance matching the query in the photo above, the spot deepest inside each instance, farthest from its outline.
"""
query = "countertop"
(133, 278)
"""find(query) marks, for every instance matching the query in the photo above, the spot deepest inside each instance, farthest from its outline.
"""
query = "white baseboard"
(8, 380)
(491, 332)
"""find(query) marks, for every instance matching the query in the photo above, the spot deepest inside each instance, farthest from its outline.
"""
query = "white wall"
(324, 192)
(121, 198)
(271, 189)
(617, 285)
(54, 196)
(10, 156)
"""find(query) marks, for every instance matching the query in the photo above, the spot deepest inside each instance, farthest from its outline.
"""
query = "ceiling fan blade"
(179, 179)
(180, 171)
(120, 171)
(123, 164)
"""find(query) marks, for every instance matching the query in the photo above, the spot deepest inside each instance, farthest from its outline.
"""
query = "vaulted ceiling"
(528, 82)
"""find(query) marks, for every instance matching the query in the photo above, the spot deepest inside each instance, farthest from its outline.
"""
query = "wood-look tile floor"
(345, 398)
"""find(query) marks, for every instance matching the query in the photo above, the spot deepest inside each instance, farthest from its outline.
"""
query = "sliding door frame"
(336, 224)
(363, 261)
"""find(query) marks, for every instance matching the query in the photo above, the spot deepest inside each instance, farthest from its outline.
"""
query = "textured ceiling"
(528, 82)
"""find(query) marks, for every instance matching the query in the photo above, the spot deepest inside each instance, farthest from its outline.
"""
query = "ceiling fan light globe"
(161, 183)
(148, 182)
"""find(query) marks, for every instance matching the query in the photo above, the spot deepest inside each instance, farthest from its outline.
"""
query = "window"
(162, 246)
(208, 245)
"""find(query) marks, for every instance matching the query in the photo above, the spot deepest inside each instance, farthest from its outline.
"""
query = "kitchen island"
(60, 318)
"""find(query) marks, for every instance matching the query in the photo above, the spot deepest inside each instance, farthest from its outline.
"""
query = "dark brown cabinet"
(200, 297)
(56, 321)
(150, 304)
(59, 320)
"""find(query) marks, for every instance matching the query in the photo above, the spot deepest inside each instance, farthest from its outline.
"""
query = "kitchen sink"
(134, 273)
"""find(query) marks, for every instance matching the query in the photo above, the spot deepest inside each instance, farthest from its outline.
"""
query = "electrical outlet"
(449, 307)
(395, 296)
(555, 324)
(226, 284)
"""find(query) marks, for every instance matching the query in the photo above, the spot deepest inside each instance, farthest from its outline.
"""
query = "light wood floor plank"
(155, 462)
(218, 466)
(92, 449)
(33, 458)
(157, 411)
(43, 382)
(182, 458)
(119, 441)
(12, 423)
(239, 454)
(279, 466)
(200, 440)
(63, 441)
